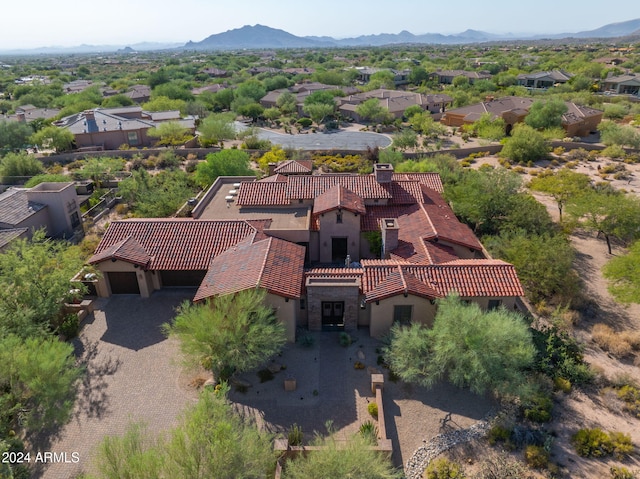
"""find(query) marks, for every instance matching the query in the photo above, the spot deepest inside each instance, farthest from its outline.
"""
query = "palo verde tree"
(216, 128)
(611, 214)
(170, 133)
(372, 110)
(525, 144)
(481, 350)
(223, 163)
(19, 167)
(562, 185)
(58, 139)
(546, 115)
(230, 333)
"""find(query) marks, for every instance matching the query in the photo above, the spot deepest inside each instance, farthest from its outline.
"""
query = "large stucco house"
(577, 121)
(332, 251)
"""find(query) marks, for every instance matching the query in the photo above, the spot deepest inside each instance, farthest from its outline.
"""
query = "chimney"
(390, 230)
(272, 168)
(21, 117)
(89, 115)
(383, 172)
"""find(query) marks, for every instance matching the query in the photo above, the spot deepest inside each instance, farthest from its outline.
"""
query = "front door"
(332, 315)
(338, 250)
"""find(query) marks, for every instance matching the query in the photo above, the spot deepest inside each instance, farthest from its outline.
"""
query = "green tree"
(37, 378)
(170, 133)
(163, 103)
(157, 196)
(526, 144)
(562, 185)
(482, 350)
(250, 110)
(418, 75)
(405, 139)
(34, 280)
(117, 101)
(372, 110)
(287, 103)
(341, 460)
(60, 139)
(223, 163)
(216, 128)
(101, 169)
(545, 115)
(381, 79)
(230, 333)
(252, 89)
(487, 127)
(622, 135)
(211, 441)
(321, 96)
(13, 135)
(17, 167)
(614, 215)
(318, 112)
(544, 262)
(174, 90)
(623, 272)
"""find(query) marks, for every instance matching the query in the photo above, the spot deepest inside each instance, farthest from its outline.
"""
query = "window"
(402, 313)
(132, 137)
(494, 304)
(339, 217)
(75, 220)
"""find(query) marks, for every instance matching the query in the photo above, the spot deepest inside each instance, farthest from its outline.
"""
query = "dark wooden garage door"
(182, 278)
(123, 283)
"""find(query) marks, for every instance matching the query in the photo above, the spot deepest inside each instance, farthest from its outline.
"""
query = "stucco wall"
(382, 313)
(286, 312)
(145, 281)
(330, 228)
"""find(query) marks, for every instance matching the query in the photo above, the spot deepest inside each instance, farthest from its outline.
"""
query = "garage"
(123, 282)
(176, 278)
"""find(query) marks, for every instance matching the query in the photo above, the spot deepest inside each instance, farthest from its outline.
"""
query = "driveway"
(331, 140)
(132, 376)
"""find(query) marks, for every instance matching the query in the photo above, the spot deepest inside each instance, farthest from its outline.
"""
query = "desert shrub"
(342, 164)
(539, 408)
(122, 208)
(305, 122)
(613, 151)
(501, 466)
(597, 443)
(621, 473)
(536, 457)
(558, 150)
(265, 375)
(295, 435)
(499, 433)
(358, 365)
(69, 327)
(611, 341)
(306, 341)
(631, 397)
(373, 409)
(369, 431)
(344, 339)
(191, 166)
(562, 384)
(444, 469)
(75, 165)
(168, 159)
(577, 155)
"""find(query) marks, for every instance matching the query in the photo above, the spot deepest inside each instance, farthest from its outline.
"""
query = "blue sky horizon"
(43, 23)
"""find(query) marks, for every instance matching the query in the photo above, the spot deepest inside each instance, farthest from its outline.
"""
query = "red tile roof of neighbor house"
(271, 263)
(338, 197)
(172, 244)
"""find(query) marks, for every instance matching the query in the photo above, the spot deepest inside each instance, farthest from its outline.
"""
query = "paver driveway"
(132, 375)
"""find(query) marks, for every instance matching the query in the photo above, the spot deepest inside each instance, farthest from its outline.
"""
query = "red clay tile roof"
(128, 249)
(470, 278)
(446, 225)
(292, 167)
(272, 263)
(431, 180)
(173, 244)
(439, 253)
(338, 197)
(273, 178)
(258, 193)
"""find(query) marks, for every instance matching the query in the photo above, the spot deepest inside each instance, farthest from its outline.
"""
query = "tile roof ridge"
(266, 256)
(404, 282)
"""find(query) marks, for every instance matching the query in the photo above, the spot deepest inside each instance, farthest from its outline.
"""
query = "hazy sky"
(35, 23)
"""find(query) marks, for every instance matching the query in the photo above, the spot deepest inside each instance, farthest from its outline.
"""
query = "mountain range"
(260, 37)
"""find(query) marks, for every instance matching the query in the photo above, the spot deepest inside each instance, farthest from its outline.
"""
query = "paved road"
(333, 140)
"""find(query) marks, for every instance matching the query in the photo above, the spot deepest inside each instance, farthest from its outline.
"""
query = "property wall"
(330, 228)
(382, 313)
(286, 311)
(508, 302)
